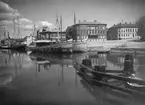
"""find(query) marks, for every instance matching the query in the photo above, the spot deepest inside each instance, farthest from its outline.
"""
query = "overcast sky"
(105, 11)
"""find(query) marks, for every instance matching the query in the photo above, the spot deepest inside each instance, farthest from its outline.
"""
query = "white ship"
(79, 46)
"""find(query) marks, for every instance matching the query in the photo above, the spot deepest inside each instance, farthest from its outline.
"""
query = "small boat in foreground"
(5, 47)
(136, 86)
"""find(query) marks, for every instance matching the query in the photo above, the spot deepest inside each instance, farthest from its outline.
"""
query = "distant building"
(93, 30)
(51, 35)
(123, 31)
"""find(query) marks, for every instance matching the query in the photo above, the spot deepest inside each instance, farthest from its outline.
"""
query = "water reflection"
(46, 61)
(127, 71)
(109, 96)
(52, 79)
(106, 96)
(11, 63)
(102, 96)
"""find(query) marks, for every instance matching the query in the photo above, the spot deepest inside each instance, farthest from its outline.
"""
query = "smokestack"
(61, 23)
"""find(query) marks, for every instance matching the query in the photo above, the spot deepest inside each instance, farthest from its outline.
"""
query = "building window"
(95, 31)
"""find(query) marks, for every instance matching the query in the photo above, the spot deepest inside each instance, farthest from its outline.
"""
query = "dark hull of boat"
(138, 88)
(19, 47)
(5, 47)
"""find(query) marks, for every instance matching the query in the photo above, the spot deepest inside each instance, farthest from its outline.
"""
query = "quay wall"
(107, 44)
(117, 43)
(137, 45)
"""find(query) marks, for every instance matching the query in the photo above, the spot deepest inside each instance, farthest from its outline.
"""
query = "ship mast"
(75, 21)
(14, 25)
(57, 24)
(33, 30)
(18, 27)
(61, 26)
(4, 32)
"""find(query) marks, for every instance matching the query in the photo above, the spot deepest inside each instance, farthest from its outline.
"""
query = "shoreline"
(117, 44)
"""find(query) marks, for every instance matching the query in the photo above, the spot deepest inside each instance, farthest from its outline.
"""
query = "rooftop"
(52, 32)
(124, 25)
(89, 22)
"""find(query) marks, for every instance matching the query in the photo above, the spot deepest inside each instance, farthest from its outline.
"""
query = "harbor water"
(51, 79)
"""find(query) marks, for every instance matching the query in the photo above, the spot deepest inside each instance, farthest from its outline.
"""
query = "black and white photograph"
(72, 52)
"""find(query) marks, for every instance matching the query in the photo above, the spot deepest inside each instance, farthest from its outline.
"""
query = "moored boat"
(42, 43)
(66, 44)
(135, 86)
(51, 46)
(79, 46)
(5, 47)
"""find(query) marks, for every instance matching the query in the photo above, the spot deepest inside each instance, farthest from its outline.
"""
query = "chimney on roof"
(95, 20)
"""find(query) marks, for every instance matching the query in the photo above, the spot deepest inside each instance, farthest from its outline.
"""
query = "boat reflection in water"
(104, 95)
(51, 59)
(135, 86)
(108, 95)
(7, 71)
(41, 79)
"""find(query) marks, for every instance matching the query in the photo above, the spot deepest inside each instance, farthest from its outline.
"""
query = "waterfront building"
(123, 31)
(91, 30)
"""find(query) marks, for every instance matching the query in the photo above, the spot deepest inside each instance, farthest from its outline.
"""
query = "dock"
(128, 50)
(101, 76)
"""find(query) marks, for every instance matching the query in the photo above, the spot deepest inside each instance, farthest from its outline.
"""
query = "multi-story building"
(93, 30)
(123, 31)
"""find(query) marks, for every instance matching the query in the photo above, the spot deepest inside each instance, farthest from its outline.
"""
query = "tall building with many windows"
(94, 31)
(123, 31)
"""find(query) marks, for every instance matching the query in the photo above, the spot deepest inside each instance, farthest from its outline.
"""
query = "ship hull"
(61, 47)
(4, 47)
(79, 46)
(20, 47)
(66, 45)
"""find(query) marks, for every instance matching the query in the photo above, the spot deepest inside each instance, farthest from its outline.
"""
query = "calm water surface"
(52, 80)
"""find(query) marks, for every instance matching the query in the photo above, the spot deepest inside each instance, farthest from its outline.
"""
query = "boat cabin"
(40, 43)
